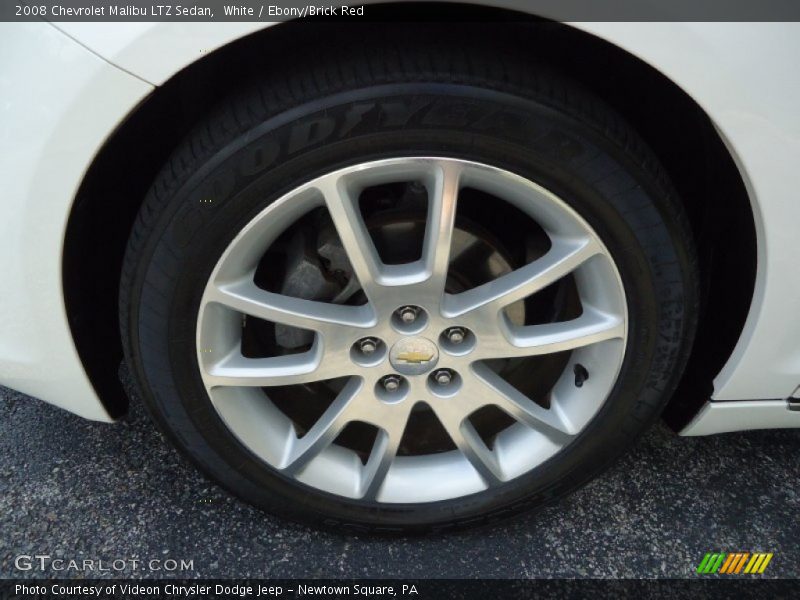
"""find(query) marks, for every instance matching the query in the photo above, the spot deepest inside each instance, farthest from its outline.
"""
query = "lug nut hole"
(457, 340)
(391, 388)
(409, 319)
(368, 352)
(444, 382)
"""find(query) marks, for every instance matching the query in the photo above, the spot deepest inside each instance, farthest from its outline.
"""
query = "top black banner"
(370, 10)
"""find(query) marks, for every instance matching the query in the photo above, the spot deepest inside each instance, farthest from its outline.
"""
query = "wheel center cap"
(414, 356)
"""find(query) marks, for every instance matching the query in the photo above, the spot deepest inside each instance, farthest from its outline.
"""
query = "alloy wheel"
(397, 336)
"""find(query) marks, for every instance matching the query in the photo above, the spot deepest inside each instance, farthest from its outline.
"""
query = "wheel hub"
(414, 356)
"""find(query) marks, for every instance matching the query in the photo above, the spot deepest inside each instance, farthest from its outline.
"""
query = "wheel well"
(676, 128)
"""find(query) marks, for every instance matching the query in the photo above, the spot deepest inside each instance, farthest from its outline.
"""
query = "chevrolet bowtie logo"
(415, 357)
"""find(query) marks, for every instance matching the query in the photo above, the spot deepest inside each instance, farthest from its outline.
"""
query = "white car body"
(65, 87)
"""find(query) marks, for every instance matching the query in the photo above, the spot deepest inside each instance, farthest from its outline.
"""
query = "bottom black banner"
(421, 589)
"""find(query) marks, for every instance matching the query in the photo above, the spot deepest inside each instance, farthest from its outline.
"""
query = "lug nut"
(391, 383)
(443, 376)
(455, 335)
(368, 346)
(408, 314)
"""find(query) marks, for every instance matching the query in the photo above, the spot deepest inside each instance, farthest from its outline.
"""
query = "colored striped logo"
(734, 563)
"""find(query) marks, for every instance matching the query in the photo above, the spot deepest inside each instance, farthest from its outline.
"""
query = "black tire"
(290, 128)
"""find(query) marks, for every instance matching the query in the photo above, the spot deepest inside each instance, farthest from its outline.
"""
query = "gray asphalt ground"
(76, 489)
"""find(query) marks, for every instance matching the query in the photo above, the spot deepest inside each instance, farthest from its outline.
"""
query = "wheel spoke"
(246, 297)
(353, 233)
(383, 453)
(439, 230)
(592, 327)
(564, 257)
(325, 430)
(452, 416)
(494, 390)
(292, 369)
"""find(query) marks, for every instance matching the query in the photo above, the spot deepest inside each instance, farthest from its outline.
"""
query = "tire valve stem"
(417, 188)
(581, 374)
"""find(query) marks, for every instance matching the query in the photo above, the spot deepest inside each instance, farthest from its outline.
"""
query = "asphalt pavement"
(75, 489)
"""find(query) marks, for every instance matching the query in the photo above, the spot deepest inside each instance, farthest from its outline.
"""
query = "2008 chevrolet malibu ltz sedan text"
(403, 277)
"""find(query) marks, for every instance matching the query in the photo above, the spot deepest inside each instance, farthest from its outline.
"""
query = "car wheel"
(410, 295)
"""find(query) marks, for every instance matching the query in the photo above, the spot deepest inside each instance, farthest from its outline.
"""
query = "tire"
(288, 129)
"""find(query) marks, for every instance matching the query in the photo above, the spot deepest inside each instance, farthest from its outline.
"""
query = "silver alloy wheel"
(413, 351)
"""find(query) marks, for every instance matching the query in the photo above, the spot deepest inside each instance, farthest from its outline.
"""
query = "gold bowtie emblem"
(415, 356)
